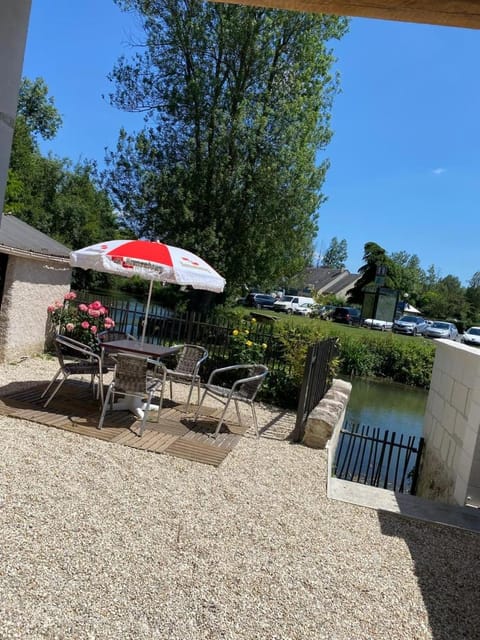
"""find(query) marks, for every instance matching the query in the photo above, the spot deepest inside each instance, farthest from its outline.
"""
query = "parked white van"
(288, 304)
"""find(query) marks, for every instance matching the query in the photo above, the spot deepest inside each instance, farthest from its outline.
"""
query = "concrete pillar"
(14, 15)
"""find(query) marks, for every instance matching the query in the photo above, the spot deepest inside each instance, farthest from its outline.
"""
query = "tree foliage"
(336, 255)
(64, 202)
(374, 257)
(37, 109)
(237, 104)
(436, 297)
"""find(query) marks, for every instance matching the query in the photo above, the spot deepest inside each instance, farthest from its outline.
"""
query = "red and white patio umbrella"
(153, 261)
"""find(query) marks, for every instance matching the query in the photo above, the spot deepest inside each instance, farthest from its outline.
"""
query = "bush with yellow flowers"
(244, 346)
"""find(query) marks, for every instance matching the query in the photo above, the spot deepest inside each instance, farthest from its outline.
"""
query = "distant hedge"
(362, 352)
(409, 360)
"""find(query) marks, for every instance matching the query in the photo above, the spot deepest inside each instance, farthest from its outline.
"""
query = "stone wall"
(328, 416)
(450, 469)
(30, 286)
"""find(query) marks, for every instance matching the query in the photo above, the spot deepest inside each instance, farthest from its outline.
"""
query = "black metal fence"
(378, 458)
(316, 381)
(208, 329)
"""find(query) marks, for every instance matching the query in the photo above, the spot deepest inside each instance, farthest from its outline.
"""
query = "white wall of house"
(14, 16)
(30, 287)
(450, 470)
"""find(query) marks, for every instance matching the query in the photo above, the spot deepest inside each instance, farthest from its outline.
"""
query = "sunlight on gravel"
(103, 541)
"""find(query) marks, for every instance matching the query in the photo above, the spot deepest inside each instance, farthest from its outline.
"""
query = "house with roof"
(34, 272)
(330, 281)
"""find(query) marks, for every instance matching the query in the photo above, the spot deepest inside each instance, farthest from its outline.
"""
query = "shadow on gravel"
(447, 566)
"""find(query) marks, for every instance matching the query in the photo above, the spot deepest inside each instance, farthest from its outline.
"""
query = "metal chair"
(85, 361)
(136, 376)
(243, 389)
(189, 361)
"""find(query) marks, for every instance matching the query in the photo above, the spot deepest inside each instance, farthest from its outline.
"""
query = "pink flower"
(95, 305)
(71, 295)
(85, 325)
(51, 308)
(82, 307)
(93, 329)
(69, 326)
(109, 323)
(103, 311)
(94, 313)
(58, 304)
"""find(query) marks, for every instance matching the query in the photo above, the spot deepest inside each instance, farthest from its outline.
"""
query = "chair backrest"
(66, 347)
(131, 373)
(190, 358)
(249, 388)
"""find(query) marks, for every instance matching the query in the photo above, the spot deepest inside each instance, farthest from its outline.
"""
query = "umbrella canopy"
(151, 261)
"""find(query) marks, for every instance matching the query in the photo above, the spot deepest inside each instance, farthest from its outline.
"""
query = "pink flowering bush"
(80, 321)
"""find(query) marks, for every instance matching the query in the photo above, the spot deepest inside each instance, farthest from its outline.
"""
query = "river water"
(387, 405)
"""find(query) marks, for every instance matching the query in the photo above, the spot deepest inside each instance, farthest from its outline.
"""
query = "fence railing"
(212, 331)
(379, 458)
(316, 382)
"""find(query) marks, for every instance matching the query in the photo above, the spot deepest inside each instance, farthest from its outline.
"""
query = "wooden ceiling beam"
(452, 13)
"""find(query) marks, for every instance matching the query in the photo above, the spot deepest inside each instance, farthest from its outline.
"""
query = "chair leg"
(50, 383)
(195, 417)
(55, 391)
(100, 388)
(105, 406)
(190, 395)
(255, 421)
(220, 422)
(238, 414)
(160, 404)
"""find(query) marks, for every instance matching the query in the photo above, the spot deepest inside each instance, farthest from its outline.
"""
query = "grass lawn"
(327, 327)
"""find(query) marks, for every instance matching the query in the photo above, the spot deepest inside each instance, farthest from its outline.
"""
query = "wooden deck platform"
(74, 409)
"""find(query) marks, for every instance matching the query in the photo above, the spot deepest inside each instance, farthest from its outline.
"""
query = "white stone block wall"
(30, 286)
(450, 470)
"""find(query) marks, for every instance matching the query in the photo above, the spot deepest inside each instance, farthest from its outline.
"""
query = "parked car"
(324, 312)
(304, 309)
(347, 315)
(410, 325)
(260, 300)
(472, 336)
(440, 329)
(381, 325)
(288, 304)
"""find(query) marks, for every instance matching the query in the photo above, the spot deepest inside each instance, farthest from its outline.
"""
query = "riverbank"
(102, 541)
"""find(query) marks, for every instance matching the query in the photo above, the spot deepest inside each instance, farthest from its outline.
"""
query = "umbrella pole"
(145, 320)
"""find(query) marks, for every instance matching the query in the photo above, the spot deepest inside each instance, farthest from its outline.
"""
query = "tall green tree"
(237, 102)
(472, 296)
(37, 109)
(446, 300)
(336, 254)
(64, 202)
(374, 257)
(406, 274)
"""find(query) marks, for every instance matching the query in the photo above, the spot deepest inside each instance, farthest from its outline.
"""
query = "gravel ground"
(101, 541)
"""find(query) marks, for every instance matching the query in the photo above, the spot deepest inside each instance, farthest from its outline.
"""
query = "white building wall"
(450, 469)
(30, 287)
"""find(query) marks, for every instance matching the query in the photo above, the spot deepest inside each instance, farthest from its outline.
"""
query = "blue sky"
(405, 156)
